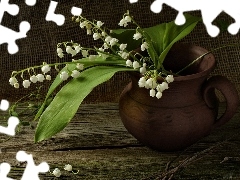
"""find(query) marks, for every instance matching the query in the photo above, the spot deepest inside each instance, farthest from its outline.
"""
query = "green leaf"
(87, 63)
(165, 35)
(67, 101)
(51, 89)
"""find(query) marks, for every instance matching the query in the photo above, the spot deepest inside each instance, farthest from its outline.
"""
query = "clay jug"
(187, 111)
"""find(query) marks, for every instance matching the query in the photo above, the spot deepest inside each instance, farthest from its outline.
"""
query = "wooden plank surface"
(97, 144)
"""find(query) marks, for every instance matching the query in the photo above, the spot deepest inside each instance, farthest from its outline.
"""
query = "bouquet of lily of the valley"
(95, 65)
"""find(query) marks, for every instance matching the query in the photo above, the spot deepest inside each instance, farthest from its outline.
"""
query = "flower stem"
(209, 52)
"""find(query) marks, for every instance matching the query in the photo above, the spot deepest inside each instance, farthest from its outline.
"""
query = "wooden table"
(97, 144)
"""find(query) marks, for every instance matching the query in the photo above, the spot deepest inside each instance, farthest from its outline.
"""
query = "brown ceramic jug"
(187, 111)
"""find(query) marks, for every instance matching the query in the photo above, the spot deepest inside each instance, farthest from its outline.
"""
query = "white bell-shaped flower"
(68, 167)
(40, 77)
(12, 80)
(56, 172)
(152, 93)
(26, 83)
(142, 82)
(169, 78)
(75, 74)
(136, 65)
(159, 94)
(129, 63)
(33, 79)
(64, 75)
(46, 68)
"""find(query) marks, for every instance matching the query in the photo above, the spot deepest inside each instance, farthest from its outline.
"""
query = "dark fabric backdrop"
(40, 45)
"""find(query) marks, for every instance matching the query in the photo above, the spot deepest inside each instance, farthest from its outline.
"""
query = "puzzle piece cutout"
(51, 16)
(133, 1)
(30, 2)
(12, 124)
(31, 171)
(12, 121)
(59, 19)
(209, 10)
(4, 105)
(4, 170)
(7, 35)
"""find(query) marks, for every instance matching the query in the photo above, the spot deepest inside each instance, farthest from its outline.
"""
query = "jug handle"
(229, 92)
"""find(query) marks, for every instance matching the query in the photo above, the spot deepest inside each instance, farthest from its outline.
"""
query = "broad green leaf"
(156, 34)
(166, 34)
(162, 37)
(67, 101)
(87, 63)
(57, 81)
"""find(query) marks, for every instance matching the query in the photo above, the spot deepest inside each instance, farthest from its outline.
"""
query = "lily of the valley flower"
(83, 24)
(77, 49)
(124, 55)
(152, 93)
(144, 46)
(122, 46)
(48, 77)
(143, 69)
(136, 65)
(13, 80)
(99, 23)
(161, 87)
(75, 74)
(26, 83)
(69, 49)
(127, 19)
(113, 41)
(80, 66)
(124, 22)
(60, 52)
(129, 63)
(169, 78)
(159, 95)
(137, 36)
(64, 75)
(108, 39)
(68, 167)
(46, 68)
(96, 36)
(56, 172)
(142, 82)
(151, 82)
(33, 79)
(16, 85)
(40, 77)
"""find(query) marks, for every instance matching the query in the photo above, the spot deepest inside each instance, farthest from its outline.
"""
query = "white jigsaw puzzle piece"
(51, 16)
(133, 1)
(31, 171)
(7, 35)
(4, 170)
(12, 121)
(30, 2)
(4, 105)
(12, 9)
(12, 124)
(209, 10)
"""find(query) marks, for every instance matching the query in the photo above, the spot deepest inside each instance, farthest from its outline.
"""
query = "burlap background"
(40, 45)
